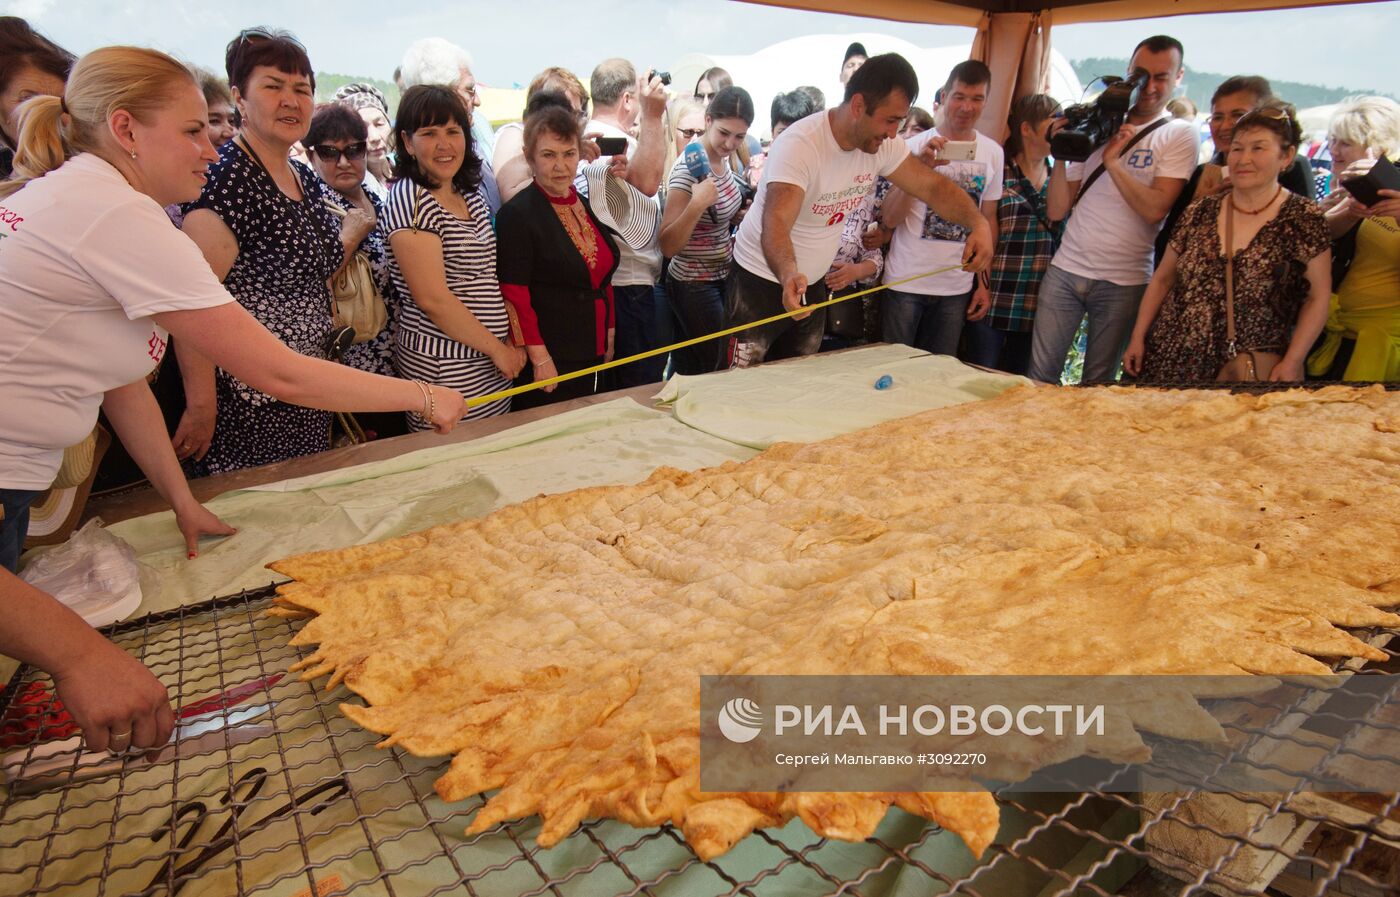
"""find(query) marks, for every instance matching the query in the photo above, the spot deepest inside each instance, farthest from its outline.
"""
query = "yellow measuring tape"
(651, 353)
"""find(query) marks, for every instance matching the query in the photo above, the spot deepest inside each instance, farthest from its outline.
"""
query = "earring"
(133, 154)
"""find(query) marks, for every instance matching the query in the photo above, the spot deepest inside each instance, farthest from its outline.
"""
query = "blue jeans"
(643, 323)
(931, 323)
(1004, 350)
(698, 307)
(1063, 302)
(14, 525)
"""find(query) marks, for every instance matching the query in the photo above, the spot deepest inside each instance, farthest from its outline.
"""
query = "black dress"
(564, 299)
(287, 250)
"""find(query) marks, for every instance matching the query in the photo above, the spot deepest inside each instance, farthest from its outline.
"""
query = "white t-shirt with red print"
(85, 261)
(835, 182)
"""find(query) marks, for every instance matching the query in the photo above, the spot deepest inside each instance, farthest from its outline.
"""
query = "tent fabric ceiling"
(1063, 12)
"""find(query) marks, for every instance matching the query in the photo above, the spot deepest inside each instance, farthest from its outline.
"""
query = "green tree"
(327, 83)
(1198, 85)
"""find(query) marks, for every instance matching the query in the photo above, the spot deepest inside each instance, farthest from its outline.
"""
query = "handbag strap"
(1230, 276)
(1098, 172)
(247, 148)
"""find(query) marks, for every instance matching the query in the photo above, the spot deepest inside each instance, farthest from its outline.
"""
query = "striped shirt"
(1026, 242)
(469, 262)
(709, 252)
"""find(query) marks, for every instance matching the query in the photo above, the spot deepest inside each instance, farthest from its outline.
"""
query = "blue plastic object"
(885, 382)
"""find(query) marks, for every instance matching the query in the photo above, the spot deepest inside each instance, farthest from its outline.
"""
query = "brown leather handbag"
(1245, 365)
(355, 298)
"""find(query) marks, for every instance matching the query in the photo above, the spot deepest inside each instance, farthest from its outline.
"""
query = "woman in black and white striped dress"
(454, 329)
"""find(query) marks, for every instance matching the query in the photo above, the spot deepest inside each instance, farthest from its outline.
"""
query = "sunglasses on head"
(327, 153)
(257, 35)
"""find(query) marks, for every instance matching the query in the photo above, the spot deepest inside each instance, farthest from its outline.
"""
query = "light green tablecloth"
(826, 395)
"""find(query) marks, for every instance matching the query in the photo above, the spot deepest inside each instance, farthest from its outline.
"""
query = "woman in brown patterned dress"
(1282, 268)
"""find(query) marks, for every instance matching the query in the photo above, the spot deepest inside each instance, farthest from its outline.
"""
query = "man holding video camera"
(1119, 196)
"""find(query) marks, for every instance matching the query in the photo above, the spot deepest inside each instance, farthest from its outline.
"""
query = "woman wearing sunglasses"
(369, 103)
(264, 228)
(338, 146)
(95, 280)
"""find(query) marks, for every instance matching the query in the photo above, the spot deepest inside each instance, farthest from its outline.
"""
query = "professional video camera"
(1089, 125)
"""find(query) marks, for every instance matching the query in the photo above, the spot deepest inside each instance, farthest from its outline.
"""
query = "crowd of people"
(272, 264)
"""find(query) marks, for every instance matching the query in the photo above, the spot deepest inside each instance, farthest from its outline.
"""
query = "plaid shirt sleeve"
(1026, 242)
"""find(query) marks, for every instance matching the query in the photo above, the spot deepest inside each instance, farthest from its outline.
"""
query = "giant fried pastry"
(554, 647)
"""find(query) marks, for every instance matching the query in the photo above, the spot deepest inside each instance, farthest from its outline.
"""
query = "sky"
(1340, 46)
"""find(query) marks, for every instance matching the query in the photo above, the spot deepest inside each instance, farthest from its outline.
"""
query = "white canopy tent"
(816, 60)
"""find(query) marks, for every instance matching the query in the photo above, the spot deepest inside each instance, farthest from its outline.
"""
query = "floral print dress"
(287, 251)
(1187, 341)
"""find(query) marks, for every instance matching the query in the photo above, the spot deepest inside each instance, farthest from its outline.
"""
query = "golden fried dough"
(555, 647)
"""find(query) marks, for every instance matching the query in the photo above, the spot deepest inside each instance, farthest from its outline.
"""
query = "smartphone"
(959, 151)
(612, 146)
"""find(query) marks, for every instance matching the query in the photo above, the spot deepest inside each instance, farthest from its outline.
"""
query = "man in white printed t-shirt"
(928, 313)
(1105, 259)
(818, 172)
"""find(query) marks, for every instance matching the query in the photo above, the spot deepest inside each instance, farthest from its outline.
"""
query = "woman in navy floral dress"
(263, 224)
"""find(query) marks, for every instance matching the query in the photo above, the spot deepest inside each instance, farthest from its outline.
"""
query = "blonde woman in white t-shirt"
(94, 279)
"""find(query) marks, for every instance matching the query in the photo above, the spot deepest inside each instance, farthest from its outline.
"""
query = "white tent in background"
(816, 60)
(1315, 119)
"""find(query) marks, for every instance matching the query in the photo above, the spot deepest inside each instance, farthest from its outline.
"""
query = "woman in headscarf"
(369, 102)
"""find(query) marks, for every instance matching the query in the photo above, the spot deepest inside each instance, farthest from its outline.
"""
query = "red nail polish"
(190, 556)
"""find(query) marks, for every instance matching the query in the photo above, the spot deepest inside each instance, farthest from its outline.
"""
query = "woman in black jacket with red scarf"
(555, 262)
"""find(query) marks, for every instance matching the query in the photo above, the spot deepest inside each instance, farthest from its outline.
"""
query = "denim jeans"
(931, 323)
(1004, 350)
(1063, 302)
(698, 309)
(14, 525)
(643, 322)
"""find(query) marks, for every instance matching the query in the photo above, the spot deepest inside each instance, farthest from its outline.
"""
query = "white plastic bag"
(94, 573)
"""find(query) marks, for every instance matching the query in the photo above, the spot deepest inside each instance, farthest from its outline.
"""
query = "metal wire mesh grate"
(295, 799)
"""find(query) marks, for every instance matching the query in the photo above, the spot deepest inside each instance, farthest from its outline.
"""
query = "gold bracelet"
(426, 413)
